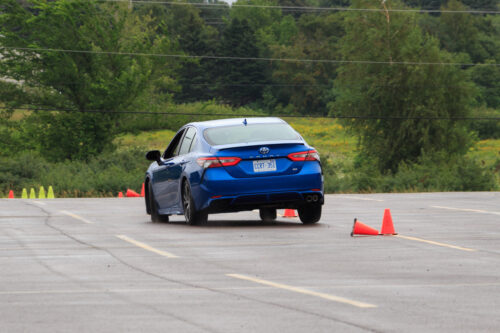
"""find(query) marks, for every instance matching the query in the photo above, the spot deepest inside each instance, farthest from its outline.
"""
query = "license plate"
(264, 165)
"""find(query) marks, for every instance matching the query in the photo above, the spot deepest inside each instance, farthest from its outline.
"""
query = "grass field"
(327, 135)
(487, 152)
(151, 140)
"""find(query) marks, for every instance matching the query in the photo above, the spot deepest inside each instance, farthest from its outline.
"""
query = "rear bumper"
(277, 200)
(220, 192)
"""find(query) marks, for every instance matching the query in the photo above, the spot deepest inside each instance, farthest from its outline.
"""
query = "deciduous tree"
(77, 56)
(395, 86)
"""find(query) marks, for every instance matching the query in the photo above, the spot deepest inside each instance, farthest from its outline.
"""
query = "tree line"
(401, 73)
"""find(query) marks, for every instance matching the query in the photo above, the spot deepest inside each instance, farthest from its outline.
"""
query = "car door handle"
(183, 162)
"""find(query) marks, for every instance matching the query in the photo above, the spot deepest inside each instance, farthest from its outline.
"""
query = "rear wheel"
(310, 214)
(155, 217)
(267, 214)
(191, 215)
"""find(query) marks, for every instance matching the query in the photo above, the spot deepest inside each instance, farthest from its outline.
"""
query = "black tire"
(310, 214)
(267, 214)
(155, 217)
(192, 216)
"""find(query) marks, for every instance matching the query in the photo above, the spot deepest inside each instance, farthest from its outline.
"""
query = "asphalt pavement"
(100, 265)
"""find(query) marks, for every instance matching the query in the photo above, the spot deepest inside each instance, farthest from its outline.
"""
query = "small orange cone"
(142, 190)
(359, 228)
(387, 225)
(11, 194)
(120, 195)
(131, 194)
(289, 213)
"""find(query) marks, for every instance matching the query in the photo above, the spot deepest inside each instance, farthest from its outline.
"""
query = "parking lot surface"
(100, 265)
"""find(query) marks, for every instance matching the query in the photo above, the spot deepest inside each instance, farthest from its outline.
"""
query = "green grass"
(329, 137)
(487, 152)
(326, 135)
(149, 140)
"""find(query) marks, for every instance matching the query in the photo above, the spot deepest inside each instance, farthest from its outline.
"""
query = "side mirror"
(154, 155)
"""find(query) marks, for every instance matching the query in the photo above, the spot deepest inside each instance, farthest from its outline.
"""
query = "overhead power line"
(213, 85)
(239, 115)
(306, 8)
(186, 56)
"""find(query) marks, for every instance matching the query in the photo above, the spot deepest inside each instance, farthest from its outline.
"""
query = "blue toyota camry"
(234, 165)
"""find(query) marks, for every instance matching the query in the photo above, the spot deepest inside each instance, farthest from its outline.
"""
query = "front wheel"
(310, 214)
(191, 215)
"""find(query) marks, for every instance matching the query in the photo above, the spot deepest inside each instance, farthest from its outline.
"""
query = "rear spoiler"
(257, 143)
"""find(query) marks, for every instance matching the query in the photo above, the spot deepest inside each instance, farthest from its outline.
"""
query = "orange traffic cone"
(289, 213)
(387, 225)
(359, 228)
(131, 193)
(11, 194)
(120, 195)
(142, 190)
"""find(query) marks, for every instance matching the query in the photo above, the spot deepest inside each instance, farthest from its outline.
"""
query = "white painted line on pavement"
(467, 210)
(436, 243)
(76, 217)
(304, 291)
(146, 247)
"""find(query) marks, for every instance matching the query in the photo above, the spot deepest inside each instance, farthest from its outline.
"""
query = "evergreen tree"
(334, 3)
(197, 39)
(304, 85)
(487, 5)
(240, 81)
(425, 4)
(458, 32)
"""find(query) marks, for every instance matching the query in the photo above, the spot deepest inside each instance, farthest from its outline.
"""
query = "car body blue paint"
(238, 187)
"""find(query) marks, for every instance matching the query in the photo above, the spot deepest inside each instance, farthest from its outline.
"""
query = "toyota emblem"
(264, 150)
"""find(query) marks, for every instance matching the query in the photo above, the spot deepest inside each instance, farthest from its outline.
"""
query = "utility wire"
(211, 86)
(305, 8)
(331, 61)
(238, 115)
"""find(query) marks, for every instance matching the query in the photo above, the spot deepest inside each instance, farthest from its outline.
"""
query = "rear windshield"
(251, 133)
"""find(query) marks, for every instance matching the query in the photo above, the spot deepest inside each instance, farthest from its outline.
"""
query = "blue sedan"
(233, 165)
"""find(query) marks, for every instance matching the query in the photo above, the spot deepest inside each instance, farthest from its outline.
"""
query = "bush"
(434, 172)
(487, 128)
(104, 175)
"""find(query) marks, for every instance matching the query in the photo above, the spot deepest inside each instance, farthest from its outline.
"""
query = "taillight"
(310, 155)
(217, 162)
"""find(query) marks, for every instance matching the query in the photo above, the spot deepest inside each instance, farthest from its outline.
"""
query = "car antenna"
(245, 121)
